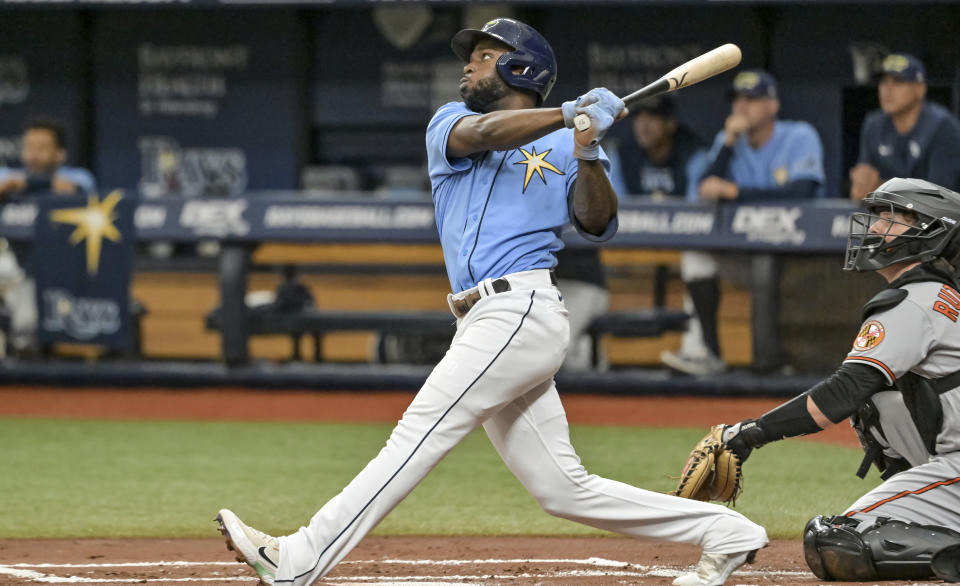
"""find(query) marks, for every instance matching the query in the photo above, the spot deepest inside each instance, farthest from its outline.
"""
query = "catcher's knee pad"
(835, 550)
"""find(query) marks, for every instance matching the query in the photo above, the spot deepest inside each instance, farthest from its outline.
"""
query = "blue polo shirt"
(793, 153)
(501, 212)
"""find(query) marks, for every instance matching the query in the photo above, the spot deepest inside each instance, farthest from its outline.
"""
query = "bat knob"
(581, 122)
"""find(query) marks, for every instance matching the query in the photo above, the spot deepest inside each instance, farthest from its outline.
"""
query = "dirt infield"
(247, 405)
(390, 560)
(378, 560)
(393, 561)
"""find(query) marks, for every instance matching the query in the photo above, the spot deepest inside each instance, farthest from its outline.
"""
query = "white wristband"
(588, 153)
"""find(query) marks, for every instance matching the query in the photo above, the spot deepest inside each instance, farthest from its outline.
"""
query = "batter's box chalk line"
(604, 568)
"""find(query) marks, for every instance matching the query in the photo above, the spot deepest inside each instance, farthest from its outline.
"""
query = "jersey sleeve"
(870, 129)
(806, 155)
(82, 178)
(438, 133)
(713, 154)
(943, 169)
(894, 341)
(695, 168)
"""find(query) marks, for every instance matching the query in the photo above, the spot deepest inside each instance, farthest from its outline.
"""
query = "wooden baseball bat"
(694, 71)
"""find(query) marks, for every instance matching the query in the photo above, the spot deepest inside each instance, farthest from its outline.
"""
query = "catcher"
(900, 385)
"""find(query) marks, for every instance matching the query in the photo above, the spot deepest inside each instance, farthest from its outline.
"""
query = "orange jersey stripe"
(906, 493)
(885, 368)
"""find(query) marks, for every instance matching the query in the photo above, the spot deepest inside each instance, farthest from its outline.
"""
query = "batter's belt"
(461, 303)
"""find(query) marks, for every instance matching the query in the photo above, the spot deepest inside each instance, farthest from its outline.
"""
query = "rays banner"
(82, 257)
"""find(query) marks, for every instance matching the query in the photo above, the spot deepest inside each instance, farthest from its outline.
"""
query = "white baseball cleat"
(705, 365)
(713, 569)
(255, 548)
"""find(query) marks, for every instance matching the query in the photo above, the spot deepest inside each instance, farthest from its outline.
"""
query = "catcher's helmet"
(929, 236)
(530, 50)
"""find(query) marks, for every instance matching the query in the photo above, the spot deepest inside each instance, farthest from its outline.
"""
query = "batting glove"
(607, 100)
(600, 98)
(603, 107)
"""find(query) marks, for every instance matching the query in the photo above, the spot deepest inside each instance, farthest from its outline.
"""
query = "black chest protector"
(921, 396)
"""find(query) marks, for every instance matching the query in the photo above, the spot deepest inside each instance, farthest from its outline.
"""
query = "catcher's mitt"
(713, 471)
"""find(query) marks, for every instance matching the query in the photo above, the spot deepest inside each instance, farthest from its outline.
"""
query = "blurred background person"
(658, 155)
(908, 136)
(43, 156)
(755, 157)
(652, 155)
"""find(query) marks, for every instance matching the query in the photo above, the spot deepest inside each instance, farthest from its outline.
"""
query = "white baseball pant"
(499, 373)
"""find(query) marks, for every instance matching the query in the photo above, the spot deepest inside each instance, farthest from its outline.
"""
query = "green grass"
(64, 478)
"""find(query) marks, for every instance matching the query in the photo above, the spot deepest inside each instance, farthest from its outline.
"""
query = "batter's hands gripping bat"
(694, 71)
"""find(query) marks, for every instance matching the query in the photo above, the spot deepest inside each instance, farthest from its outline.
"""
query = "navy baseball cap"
(754, 83)
(662, 106)
(903, 67)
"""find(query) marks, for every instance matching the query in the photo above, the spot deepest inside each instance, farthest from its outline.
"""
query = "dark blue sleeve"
(944, 165)
(870, 138)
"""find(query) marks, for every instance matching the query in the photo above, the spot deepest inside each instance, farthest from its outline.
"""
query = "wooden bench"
(639, 323)
(236, 263)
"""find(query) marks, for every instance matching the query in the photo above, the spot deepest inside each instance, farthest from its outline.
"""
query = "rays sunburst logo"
(536, 163)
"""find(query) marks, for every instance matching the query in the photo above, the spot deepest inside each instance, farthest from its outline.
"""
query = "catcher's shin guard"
(835, 550)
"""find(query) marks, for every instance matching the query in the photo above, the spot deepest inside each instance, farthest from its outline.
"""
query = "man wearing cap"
(908, 136)
(756, 157)
(507, 176)
(655, 155)
(660, 156)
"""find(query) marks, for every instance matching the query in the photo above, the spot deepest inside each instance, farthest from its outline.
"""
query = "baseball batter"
(507, 178)
(901, 384)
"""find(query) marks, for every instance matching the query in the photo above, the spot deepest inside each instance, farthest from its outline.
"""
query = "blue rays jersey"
(793, 153)
(501, 212)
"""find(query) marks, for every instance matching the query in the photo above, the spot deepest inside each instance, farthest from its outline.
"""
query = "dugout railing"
(766, 231)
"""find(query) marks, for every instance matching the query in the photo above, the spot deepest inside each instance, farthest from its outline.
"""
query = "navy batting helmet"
(530, 51)
(930, 234)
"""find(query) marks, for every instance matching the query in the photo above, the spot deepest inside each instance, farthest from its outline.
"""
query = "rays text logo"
(169, 168)
(83, 318)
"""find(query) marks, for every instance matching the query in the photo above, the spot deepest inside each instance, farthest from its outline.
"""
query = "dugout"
(198, 99)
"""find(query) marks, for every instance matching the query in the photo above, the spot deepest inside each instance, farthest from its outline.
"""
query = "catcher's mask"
(929, 214)
(531, 52)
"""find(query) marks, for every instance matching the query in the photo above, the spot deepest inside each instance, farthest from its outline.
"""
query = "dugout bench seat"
(315, 323)
(648, 322)
(640, 323)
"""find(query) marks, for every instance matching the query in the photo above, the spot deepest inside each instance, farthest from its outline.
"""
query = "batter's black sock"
(705, 294)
